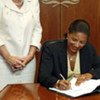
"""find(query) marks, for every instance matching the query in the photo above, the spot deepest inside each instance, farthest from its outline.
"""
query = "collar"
(26, 6)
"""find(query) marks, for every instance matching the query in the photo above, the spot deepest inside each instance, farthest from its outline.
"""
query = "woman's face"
(76, 41)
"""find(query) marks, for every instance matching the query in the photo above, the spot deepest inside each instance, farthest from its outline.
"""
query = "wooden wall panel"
(50, 19)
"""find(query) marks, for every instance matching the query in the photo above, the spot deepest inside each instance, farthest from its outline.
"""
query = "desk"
(37, 92)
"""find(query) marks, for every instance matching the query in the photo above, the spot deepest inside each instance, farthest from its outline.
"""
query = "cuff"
(37, 45)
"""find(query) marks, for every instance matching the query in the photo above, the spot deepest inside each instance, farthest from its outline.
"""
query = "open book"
(75, 91)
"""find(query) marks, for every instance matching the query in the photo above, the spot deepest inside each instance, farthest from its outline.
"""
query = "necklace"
(72, 57)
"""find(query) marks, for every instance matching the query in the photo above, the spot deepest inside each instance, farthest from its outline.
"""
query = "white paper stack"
(84, 88)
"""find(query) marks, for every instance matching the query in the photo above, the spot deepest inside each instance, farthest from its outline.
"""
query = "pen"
(64, 79)
(62, 76)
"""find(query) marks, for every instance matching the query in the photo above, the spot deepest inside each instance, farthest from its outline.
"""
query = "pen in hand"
(62, 76)
(64, 83)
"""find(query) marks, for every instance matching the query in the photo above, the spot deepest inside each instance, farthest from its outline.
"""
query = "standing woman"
(20, 37)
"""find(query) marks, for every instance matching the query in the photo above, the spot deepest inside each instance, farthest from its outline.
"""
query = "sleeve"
(1, 26)
(37, 30)
(96, 67)
(95, 71)
(46, 68)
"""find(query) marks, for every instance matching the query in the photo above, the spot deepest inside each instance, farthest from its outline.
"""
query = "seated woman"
(73, 56)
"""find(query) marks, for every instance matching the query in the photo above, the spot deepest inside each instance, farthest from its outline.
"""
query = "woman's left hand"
(82, 78)
(27, 59)
(30, 55)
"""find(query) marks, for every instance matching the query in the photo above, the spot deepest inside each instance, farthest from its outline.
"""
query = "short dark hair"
(80, 25)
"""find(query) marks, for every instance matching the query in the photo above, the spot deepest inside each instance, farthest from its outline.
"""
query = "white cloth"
(19, 28)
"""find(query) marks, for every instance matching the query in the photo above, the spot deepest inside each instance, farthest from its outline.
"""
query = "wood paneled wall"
(55, 20)
(50, 19)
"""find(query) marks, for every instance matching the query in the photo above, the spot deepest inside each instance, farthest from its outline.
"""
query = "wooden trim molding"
(65, 3)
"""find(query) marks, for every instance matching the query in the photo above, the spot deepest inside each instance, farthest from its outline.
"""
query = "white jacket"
(19, 28)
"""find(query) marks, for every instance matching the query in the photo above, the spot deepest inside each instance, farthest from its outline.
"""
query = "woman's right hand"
(16, 63)
(63, 85)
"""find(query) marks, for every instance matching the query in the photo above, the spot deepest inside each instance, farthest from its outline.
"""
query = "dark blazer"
(54, 61)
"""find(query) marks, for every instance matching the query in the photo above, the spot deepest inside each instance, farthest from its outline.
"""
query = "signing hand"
(63, 85)
(82, 78)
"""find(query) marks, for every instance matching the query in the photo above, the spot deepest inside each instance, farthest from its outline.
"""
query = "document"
(75, 91)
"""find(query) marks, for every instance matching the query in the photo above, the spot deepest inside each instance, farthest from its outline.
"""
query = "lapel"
(26, 6)
(84, 60)
(63, 59)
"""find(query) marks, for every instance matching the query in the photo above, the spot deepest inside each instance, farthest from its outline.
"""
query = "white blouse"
(19, 28)
(76, 67)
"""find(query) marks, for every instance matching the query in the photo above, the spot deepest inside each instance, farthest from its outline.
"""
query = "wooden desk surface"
(37, 92)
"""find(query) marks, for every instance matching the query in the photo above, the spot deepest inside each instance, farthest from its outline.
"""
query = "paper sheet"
(84, 88)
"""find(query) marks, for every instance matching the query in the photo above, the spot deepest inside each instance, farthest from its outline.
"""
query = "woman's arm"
(30, 55)
(1, 27)
(46, 69)
(13, 61)
(37, 29)
(94, 67)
